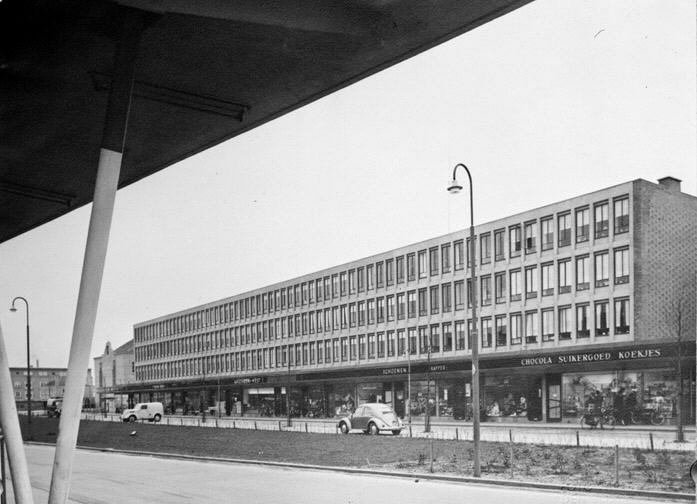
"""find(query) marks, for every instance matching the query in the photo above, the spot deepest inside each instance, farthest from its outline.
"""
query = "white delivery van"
(150, 411)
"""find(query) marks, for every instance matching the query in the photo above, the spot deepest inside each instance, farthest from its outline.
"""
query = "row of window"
(422, 264)
(502, 331)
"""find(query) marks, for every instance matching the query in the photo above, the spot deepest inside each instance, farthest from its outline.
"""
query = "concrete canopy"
(207, 71)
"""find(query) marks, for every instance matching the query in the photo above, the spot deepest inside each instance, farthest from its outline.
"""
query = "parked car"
(371, 418)
(54, 406)
(150, 411)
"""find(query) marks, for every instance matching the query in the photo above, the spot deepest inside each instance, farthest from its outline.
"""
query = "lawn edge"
(653, 494)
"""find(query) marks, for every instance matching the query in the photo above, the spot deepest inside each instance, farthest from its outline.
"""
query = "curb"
(652, 494)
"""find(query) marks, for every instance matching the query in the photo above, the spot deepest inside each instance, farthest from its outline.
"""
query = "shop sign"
(247, 381)
(587, 357)
(395, 371)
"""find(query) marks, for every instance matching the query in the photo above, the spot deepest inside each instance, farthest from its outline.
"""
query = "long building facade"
(594, 293)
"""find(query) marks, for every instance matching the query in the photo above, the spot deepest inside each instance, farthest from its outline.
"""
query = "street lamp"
(408, 402)
(289, 423)
(455, 187)
(13, 309)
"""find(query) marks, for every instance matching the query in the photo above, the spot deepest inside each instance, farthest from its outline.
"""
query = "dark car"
(371, 418)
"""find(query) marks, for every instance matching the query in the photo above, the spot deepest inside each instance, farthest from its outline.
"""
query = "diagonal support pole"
(95, 253)
(21, 484)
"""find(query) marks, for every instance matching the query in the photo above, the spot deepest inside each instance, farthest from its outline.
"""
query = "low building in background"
(114, 370)
(593, 296)
(46, 383)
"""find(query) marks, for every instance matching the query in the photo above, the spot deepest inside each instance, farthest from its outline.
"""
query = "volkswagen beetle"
(371, 418)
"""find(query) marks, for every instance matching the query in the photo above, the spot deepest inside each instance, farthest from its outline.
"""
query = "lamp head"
(454, 186)
(13, 309)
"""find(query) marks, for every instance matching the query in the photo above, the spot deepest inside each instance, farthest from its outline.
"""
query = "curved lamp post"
(13, 309)
(455, 187)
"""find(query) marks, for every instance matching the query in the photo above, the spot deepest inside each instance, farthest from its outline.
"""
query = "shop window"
(602, 327)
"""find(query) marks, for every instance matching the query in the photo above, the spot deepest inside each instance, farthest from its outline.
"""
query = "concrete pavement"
(112, 478)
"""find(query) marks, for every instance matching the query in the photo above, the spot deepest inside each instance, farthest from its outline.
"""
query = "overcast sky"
(551, 101)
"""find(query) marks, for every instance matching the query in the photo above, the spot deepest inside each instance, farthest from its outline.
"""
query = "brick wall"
(665, 262)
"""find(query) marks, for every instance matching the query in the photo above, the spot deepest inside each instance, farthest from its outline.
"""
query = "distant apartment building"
(573, 297)
(46, 383)
(114, 369)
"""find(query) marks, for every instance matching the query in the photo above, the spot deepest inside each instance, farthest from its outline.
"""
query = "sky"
(554, 100)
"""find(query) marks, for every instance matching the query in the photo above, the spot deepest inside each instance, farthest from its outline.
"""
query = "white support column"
(108, 170)
(21, 485)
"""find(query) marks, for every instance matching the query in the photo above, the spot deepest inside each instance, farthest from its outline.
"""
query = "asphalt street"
(102, 477)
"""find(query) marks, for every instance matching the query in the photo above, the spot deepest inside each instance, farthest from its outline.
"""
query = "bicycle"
(604, 420)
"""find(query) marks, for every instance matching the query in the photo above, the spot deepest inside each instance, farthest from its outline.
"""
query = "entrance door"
(554, 398)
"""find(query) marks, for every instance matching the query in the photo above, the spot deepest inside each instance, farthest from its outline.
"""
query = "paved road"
(109, 478)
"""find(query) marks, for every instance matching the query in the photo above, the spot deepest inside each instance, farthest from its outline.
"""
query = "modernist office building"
(595, 292)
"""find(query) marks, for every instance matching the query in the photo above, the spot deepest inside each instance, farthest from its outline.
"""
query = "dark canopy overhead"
(207, 71)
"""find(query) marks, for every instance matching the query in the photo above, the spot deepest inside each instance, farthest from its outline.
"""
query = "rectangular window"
(531, 282)
(445, 258)
(548, 324)
(361, 313)
(401, 307)
(601, 219)
(582, 273)
(337, 350)
(530, 237)
(514, 241)
(500, 244)
(423, 272)
(531, 327)
(381, 344)
(344, 316)
(380, 274)
(460, 334)
(343, 283)
(516, 329)
(564, 316)
(327, 288)
(582, 218)
(423, 303)
(500, 287)
(390, 308)
(391, 344)
(371, 311)
(360, 279)
(485, 248)
(621, 210)
(352, 281)
(548, 279)
(602, 325)
(602, 271)
(424, 341)
(411, 338)
(400, 269)
(501, 331)
(401, 342)
(468, 251)
(621, 265)
(447, 337)
(361, 347)
(547, 232)
(411, 304)
(515, 284)
(459, 295)
(318, 291)
(582, 325)
(622, 316)
(459, 249)
(353, 318)
(486, 332)
(411, 267)
(389, 271)
(371, 346)
(369, 277)
(352, 348)
(564, 273)
(564, 229)
(486, 290)
(446, 297)
(381, 310)
(435, 338)
(433, 261)
(435, 305)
